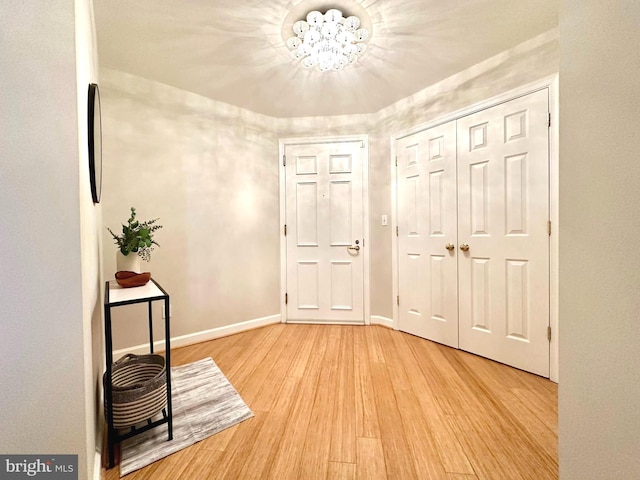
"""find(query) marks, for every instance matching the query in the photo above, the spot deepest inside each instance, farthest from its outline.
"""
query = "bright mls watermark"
(49, 467)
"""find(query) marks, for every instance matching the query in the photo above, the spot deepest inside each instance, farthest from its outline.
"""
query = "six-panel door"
(427, 230)
(324, 215)
(503, 210)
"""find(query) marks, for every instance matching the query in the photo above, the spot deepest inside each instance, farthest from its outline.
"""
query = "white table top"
(118, 294)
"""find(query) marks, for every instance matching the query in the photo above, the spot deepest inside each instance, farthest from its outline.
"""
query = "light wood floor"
(349, 402)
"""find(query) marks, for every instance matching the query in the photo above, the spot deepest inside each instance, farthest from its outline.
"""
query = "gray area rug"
(204, 403)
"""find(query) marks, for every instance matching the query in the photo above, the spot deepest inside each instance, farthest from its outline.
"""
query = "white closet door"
(324, 211)
(426, 178)
(503, 209)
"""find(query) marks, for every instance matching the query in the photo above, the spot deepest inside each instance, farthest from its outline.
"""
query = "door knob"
(464, 247)
(449, 246)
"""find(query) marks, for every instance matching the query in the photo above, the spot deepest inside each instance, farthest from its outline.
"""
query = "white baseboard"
(384, 321)
(205, 335)
(97, 466)
(323, 322)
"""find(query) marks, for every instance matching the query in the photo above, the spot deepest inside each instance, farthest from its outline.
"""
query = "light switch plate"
(385, 220)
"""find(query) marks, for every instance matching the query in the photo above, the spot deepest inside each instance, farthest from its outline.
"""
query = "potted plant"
(135, 243)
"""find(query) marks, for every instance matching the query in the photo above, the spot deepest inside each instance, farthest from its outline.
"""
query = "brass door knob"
(464, 247)
(449, 246)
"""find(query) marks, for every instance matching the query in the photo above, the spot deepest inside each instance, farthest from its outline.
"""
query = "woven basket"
(139, 389)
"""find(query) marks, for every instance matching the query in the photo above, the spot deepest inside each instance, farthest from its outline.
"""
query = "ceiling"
(234, 51)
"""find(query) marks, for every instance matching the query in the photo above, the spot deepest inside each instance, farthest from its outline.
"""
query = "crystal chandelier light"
(327, 42)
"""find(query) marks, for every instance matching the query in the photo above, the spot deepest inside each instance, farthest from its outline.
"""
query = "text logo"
(49, 467)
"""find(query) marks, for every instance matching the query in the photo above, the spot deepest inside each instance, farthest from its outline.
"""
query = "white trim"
(366, 237)
(97, 464)
(554, 216)
(100, 433)
(203, 336)
(283, 219)
(395, 290)
(319, 322)
(527, 89)
(551, 83)
(282, 143)
(384, 321)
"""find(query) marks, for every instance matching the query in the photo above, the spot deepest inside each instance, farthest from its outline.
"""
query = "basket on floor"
(139, 389)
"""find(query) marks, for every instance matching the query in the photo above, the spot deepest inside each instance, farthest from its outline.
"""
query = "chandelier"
(327, 42)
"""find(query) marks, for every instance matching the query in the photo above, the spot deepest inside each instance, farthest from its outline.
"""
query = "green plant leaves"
(136, 237)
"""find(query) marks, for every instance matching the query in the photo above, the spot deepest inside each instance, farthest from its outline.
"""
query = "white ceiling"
(233, 50)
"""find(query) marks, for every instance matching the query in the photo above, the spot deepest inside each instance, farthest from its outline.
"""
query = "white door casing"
(324, 242)
(427, 231)
(503, 210)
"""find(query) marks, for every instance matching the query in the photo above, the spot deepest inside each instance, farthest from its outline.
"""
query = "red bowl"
(132, 279)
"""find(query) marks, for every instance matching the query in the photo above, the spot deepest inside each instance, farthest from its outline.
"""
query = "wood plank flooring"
(368, 403)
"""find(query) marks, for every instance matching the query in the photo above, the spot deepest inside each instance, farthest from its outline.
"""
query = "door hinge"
(549, 333)
(396, 160)
(398, 300)
(285, 229)
(286, 298)
(362, 242)
(284, 160)
(549, 122)
(397, 231)
(549, 227)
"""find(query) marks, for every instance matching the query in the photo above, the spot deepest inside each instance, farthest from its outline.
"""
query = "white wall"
(209, 171)
(599, 256)
(90, 241)
(47, 402)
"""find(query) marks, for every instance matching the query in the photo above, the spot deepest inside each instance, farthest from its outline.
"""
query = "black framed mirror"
(95, 142)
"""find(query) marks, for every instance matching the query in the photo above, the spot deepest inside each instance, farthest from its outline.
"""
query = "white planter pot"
(128, 263)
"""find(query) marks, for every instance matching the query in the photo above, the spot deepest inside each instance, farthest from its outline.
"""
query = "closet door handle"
(464, 247)
(449, 246)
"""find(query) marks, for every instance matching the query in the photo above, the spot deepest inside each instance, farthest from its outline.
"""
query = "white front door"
(503, 242)
(426, 173)
(324, 232)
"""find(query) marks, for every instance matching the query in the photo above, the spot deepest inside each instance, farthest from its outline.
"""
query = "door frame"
(551, 83)
(366, 240)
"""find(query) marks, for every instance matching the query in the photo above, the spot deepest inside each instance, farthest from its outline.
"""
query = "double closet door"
(473, 241)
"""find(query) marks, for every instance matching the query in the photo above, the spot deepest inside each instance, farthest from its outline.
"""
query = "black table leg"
(111, 433)
(150, 328)
(167, 357)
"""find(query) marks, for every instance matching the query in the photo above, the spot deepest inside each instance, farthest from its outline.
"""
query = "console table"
(116, 296)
